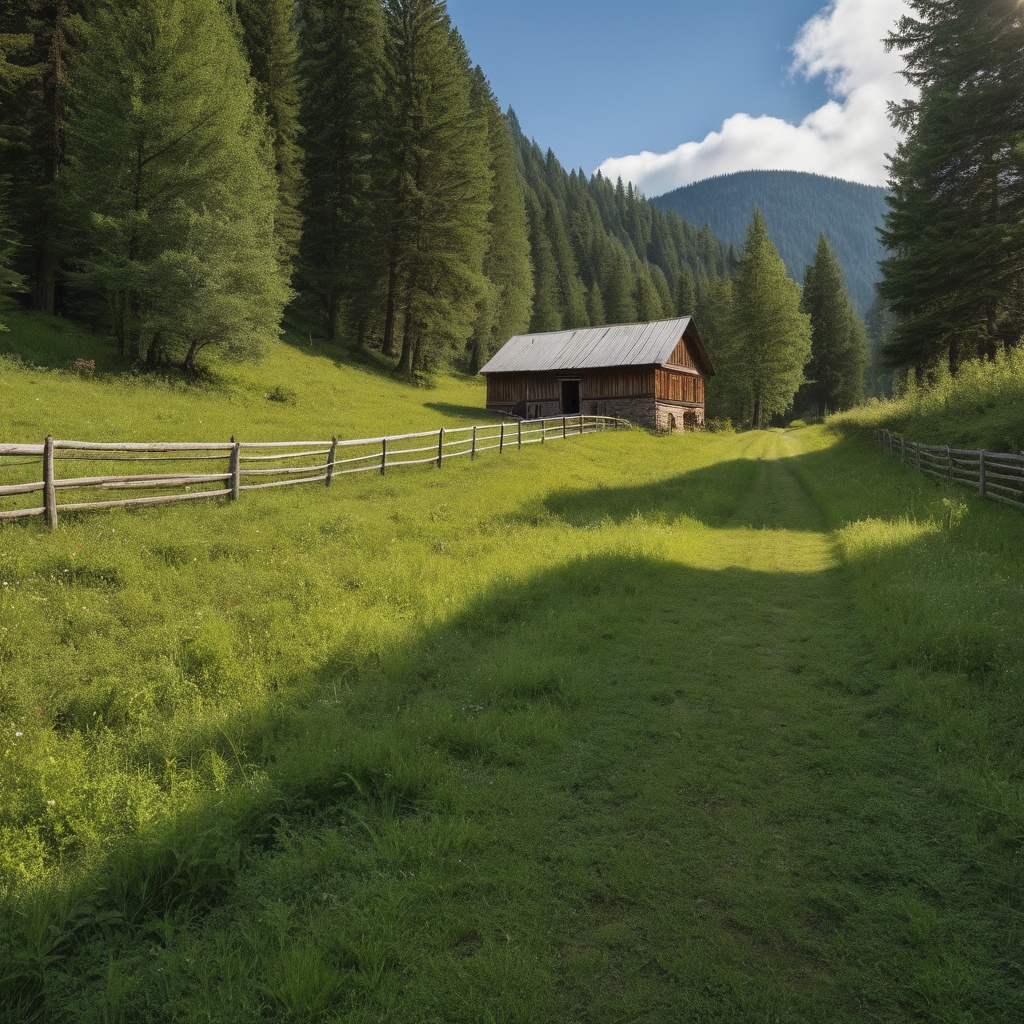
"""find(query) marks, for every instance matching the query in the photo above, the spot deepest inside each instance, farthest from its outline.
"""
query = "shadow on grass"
(54, 342)
(470, 413)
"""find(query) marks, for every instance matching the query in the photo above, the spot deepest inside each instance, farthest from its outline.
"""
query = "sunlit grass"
(713, 728)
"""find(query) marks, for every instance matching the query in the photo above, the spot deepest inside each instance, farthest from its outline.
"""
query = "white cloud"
(848, 137)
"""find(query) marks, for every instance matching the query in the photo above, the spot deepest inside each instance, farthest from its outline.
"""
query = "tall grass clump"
(982, 406)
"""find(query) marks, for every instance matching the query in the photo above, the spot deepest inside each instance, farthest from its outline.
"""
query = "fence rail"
(998, 476)
(245, 465)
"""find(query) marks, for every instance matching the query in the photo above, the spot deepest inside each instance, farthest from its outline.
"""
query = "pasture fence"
(218, 469)
(998, 476)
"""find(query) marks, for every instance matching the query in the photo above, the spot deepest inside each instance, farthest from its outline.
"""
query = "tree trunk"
(388, 348)
(405, 363)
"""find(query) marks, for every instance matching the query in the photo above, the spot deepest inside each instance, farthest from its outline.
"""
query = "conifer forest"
(178, 174)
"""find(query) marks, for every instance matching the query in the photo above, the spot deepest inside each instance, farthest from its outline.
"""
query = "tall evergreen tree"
(34, 78)
(646, 300)
(546, 314)
(727, 394)
(685, 296)
(955, 226)
(572, 296)
(439, 185)
(504, 308)
(344, 207)
(171, 182)
(10, 279)
(617, 283)
(270, 44)
(771, 334)
(839, 344)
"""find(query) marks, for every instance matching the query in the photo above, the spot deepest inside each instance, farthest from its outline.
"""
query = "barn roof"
(592, 347)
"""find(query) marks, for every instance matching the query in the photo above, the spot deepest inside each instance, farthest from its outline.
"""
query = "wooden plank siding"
(675, 386)
(595, 385)
(681, 356)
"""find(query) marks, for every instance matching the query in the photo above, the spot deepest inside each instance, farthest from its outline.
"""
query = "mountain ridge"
(797, 207)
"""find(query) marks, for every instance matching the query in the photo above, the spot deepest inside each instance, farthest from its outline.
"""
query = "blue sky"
(665, 92)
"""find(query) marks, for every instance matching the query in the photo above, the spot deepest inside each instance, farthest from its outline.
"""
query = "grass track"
(571, 752)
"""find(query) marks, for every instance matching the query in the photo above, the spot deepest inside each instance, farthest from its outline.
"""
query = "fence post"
(383, 455)
(519, 431)
(581, 423)
(563, 428)
(981, 473)
(440, 447)
(501, 439)
(949, 460)
(543, 430)
(49, 490)
(472, 451)
(903, 451)
(330, 461)
(235, 468)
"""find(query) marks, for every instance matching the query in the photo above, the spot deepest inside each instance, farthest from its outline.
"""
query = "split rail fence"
(996, 475)
(195, 472)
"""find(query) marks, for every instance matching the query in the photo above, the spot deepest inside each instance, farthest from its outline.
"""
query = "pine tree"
(10, 279)
(955, 226)
(772, 335)
(504, 309)
(546, 314)
(595, 306)
(342, 257)
(39, 37)
(617, 284)
(171, 184)
(438, 183)
(646, 300)
(727, 394)
(572, 296)
(685, 295)
(839, 345)
(271, 46)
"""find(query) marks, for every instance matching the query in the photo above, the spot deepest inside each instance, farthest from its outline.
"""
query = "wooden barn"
(652, 374)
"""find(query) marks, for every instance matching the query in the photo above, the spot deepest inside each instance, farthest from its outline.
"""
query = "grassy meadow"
(720, 728)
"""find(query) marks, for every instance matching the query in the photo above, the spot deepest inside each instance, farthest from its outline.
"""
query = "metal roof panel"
(590, 347)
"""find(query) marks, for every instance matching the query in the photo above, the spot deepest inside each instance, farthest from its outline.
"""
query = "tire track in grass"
(773, 854)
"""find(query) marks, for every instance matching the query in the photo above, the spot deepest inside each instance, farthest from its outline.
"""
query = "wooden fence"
(194, 472)
(996, 475)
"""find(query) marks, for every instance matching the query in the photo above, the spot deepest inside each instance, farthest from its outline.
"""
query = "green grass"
(981, 408)
(632, 728)
(303, 390)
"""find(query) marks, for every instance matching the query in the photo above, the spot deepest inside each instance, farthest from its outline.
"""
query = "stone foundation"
(677, 419)
(645, 412)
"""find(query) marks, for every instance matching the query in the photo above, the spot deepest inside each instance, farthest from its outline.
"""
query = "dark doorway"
(570, 397)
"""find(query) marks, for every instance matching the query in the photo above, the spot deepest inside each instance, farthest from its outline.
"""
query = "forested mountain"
(602, 253)
(797, 208)
(343, 154)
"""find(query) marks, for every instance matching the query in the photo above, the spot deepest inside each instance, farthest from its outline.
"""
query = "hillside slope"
(797, 207)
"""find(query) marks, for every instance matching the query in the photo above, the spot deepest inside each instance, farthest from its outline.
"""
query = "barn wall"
(660, 399)
(675, 386)
(539, 393)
